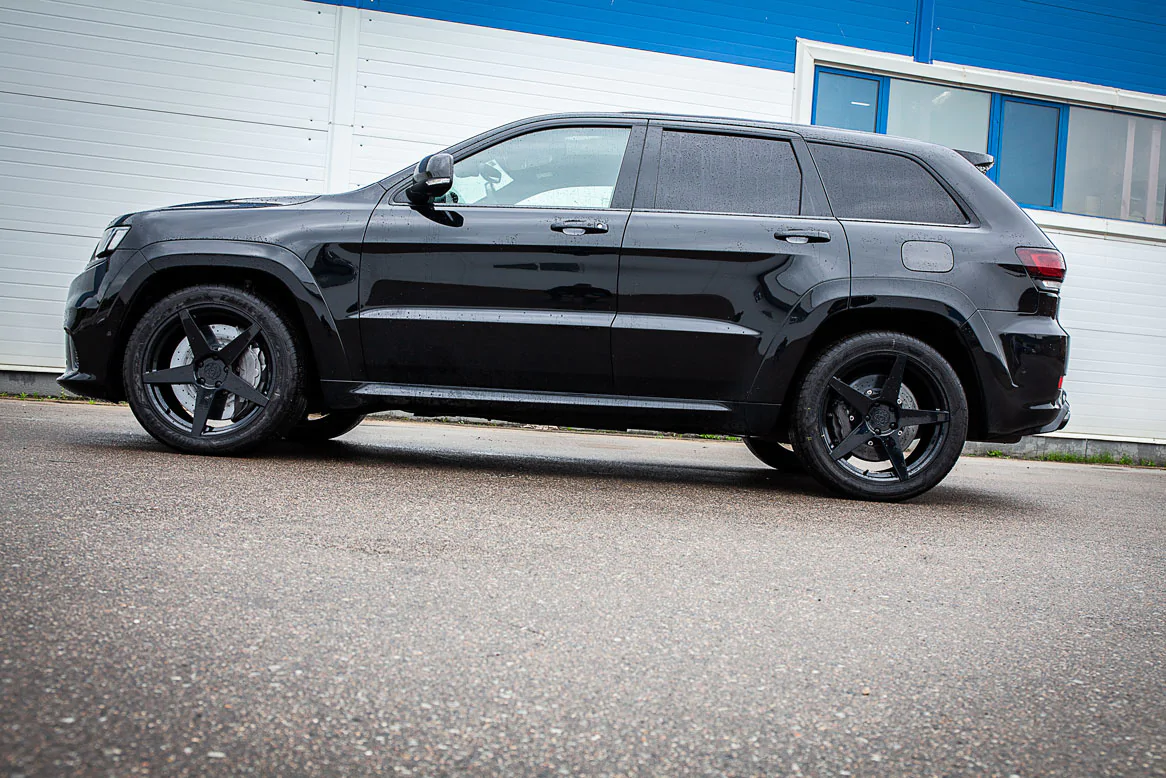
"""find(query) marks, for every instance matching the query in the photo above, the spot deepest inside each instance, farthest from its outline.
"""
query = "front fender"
(331, 358)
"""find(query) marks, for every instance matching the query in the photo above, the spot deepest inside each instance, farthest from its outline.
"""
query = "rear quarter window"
(865, 184)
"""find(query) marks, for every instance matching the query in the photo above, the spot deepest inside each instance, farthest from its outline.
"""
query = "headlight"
(109, 241)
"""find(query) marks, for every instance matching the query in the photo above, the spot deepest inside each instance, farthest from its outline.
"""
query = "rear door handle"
(579, 226)
(803, 236)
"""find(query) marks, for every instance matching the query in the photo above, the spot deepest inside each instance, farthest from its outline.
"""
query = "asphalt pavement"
(432, 599)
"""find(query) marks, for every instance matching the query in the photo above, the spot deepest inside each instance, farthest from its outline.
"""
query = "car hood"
(218, 205)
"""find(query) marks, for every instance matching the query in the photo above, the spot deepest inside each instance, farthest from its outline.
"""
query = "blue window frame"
(1028, 138)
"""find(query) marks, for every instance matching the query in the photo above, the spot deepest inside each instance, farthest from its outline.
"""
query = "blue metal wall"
(1121, 43)
(746, 32)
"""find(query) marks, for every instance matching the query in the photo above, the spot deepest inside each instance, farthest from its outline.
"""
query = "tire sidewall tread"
(286, 403)
(805, 419)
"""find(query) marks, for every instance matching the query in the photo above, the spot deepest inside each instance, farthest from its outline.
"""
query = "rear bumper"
(1020, 360)
(1062, 417)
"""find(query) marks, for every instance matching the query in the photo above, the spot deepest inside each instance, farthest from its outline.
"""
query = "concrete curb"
(1091, 449)
(28, 382)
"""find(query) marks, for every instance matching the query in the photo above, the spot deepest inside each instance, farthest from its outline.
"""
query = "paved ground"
(433, 599)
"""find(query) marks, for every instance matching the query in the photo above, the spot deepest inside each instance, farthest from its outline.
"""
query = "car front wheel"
(880, 416)
(214, 370)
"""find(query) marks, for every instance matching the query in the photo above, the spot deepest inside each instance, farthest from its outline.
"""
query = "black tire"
(326, 427)
(847, 438)
(776, 455)
(218, 355)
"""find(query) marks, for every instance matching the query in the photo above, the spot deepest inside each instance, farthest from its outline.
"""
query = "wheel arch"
(940, 323)
(270, 271)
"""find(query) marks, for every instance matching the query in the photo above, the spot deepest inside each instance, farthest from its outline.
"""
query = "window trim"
(814, 55)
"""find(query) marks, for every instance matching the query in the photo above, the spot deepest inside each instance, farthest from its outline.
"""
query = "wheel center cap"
(881, 419)
(211, 372)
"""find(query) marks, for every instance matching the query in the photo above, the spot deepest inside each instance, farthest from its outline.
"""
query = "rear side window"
(711, 173)
(863, 184)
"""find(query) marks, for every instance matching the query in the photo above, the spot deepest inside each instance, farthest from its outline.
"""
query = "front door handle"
(579, 226)
(803, 236)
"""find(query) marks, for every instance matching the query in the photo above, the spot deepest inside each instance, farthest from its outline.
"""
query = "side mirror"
(432, 177)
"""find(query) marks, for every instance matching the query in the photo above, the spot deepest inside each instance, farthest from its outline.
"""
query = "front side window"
(710, 173)
(564, 167)
(864, 184)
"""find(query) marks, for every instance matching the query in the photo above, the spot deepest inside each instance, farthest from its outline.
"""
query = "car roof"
(807, 131)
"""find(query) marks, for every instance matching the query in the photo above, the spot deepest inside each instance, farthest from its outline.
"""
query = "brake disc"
(844, 420)
(249, 367)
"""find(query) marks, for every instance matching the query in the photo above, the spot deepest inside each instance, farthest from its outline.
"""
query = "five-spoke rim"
(211, 368)
(878, 419)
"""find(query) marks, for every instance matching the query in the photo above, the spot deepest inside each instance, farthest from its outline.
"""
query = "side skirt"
(602, 411)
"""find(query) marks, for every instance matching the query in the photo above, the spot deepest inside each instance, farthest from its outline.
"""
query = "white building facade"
(112, 106)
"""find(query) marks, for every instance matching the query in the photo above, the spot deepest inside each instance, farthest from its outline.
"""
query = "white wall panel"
(111, 106)
(258, 61)
(424, 84)
(1111, 306)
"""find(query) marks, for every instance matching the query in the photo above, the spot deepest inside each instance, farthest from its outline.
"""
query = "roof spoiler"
(983, 162)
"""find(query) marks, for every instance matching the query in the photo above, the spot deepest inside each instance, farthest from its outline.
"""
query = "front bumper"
(93, 313)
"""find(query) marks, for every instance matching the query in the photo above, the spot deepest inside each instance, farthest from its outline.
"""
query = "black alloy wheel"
(214, 370)
(880, 416)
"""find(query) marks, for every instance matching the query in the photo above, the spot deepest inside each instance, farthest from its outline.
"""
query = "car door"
(730, 228)
(508, 281)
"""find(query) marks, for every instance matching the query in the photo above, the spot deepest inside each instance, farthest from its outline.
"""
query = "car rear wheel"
(214, 370)
(316, 428)
(880, 416)
(779, 456)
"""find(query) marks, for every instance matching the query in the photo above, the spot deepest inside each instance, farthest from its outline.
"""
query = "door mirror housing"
(432, 177)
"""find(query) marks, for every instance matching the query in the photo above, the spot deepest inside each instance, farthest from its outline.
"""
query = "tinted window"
(864, 184)
(565, 167)
(727, 174)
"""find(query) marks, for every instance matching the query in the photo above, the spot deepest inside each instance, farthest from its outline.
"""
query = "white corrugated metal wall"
(109, 106)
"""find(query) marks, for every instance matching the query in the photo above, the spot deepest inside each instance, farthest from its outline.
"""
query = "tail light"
(1045, 266)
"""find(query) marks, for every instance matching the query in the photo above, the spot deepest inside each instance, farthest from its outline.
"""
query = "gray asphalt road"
(430, 599)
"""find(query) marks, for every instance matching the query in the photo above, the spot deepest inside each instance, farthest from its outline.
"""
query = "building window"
(847, 101)
(1027, 155)
(1115, 166)
(956, 118)
(1048, 155)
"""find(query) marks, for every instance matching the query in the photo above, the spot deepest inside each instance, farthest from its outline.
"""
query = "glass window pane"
(1028, 152)
(863, 184)
(1115, 166)
(847, 102)
(567, 167)
(710, 173)
(956, 118)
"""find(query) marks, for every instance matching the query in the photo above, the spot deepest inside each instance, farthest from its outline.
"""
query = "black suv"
(854, 304)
